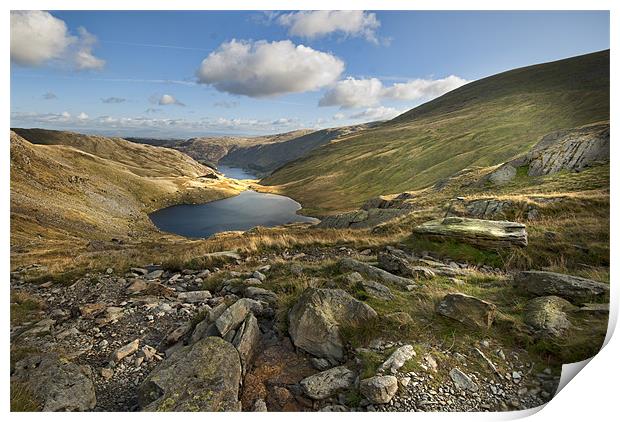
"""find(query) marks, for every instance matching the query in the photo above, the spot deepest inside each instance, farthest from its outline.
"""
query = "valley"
(459, 257)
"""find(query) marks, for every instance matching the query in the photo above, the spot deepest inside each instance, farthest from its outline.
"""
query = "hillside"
(70, 191)
(481, 124)
(263, 158)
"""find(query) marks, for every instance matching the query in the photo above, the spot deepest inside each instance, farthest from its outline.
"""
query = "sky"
(182, 74)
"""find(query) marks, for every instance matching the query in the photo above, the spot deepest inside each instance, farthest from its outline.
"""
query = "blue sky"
(142, 73)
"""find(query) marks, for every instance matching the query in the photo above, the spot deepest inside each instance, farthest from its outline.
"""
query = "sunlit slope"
(480, 124)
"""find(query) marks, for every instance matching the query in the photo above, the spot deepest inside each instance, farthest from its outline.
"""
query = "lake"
(236, 173)
(242, 212)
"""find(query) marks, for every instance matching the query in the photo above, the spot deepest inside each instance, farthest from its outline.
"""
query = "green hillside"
(482, 123)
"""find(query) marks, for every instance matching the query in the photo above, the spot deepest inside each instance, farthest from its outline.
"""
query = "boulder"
(377, 290)
(235, 314)
(260, 294)
(463, 381)
(203, 377)
(126, 350)
(247, 341)
(545, 283)
(197, 296)
(315, 319)
(397, 359)
(546, 315)
(374, 272)
(401, 266)
(482, 233)
(206, 327)
(379, 389)
(59, 385)
(503, 174)
(469, 310)
(327, 383)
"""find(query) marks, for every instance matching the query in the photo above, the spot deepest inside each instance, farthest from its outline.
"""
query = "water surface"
(235, 173)
(242, 212)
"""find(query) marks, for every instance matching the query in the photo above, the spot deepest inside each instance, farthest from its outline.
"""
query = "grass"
(22, 399)
(25, 308)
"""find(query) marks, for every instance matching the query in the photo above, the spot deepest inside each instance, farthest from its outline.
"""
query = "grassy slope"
(94, 189)
(480, 124)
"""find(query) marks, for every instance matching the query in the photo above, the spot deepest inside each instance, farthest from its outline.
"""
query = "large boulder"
(203, 377)
(379, 389)
(247, 341)
(235, 314)
(574, 289)
(483, 233)
(469, 310)
(546, 316)
(374, 272)
(327, 383)
(315, 319)
(59, 385)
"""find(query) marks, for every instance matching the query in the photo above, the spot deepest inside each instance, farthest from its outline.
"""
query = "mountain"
(481, 124)
(69, 190)
(263, 158)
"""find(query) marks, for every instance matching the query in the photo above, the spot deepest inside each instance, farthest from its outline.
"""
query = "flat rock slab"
(469, 310)
(203, 377)
(575, 289)
(483, 233)
(327, 383)
(463, 381)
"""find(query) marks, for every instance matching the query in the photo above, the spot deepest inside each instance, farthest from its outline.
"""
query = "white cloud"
(355, 93)
(351, 93)
(262, 69)
(338, 116)
(423, 88)
(38, 38)
(168, 99)
(313, 24)
(377, 113)
(82, 116)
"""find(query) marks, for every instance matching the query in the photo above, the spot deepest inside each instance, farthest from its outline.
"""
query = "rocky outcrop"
(495, 209)
(469, 310)
(572, 150)
(59, 385)
(546, 316)
(379, 389)
(374, 272)
(235, 314)
(483, 233)
(203, 377)
(246, 341)
(400, 265)
(315, 319)
(575, 289)
(327, 383)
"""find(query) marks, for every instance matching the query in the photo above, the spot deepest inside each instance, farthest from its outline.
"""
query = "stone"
(124, 351)
(203, 377)
(258, 275)
(154, 274)
(107, 373)
(379, 389)
(259, 406)
(235, 314)
(90, 310)
(42, 327)
(482, 233)
(546, 316)
(504, 174)
(398, 358)
(262, 295)
(595, 308)
(178, 333)
(139, 271)
(327, 383)
(463, 381)
(399, 265)
(230, 255)
(401, 318)
(374, 273)
(136, 287)
(315, 319)
(377, 290)
(247, 341)
(57, 384)
(575, 289)
(197, 296)
(469, 310)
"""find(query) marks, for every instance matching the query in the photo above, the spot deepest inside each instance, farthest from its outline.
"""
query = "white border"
(592, 396)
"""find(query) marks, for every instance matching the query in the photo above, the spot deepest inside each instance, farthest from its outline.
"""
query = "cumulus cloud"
(82, 116)
(351, 93)
(314, 24)
(113, 100)
(167, 99)
(38, 37)
(355, 93)
(262, 69)
(377, 113)
(50, 96)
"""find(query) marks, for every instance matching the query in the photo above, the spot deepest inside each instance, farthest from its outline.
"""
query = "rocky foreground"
(225, 338)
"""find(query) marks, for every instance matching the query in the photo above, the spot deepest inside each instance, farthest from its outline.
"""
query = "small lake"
(242, 212)
(235, 173)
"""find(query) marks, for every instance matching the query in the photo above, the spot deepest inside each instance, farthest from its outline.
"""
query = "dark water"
(235, 173)
(242, 212)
